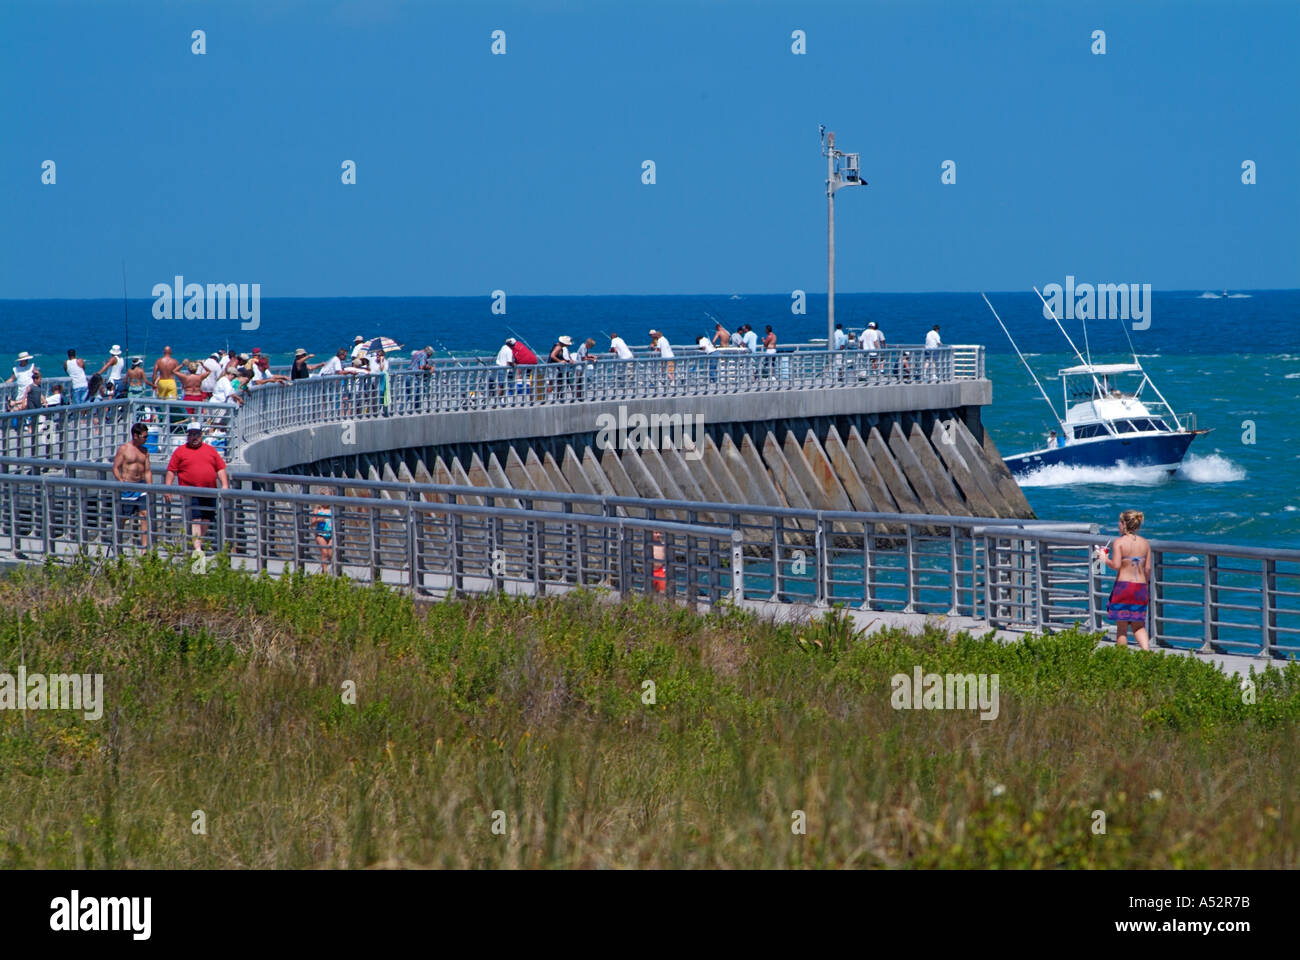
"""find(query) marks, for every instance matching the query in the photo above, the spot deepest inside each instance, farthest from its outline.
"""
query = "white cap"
(193, 425)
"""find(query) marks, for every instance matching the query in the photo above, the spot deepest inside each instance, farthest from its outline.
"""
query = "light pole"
(842, 170)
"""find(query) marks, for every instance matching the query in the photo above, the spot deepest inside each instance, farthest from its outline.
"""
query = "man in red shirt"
(197, 465)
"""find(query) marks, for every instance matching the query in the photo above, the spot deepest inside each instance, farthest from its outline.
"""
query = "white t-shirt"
(841, 338)
(223, 391)
(210, 380)
(358, 351)
(751, 341)
(707, 345)
(621, 348)
(378, 366)
(932, 340)
(332, 366)
(77, 373)
(505, 356)
(871, 338)
(665, 348)
(53, 399)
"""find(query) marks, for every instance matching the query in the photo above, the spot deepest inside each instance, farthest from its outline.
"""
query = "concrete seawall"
(907, 448)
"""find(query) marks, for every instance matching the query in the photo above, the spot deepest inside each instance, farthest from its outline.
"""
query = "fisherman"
(932, 347)
(720, 336)
(76, 368)
(358, 347)
(114, 368)
(22, 375)
(841, 339)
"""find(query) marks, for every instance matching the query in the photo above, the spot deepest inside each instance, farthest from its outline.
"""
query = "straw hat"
(566, 341)
(24, 357)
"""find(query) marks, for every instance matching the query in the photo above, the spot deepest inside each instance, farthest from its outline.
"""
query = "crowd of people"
(226, 376)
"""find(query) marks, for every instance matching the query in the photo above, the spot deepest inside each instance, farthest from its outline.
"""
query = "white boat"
(1114, 415)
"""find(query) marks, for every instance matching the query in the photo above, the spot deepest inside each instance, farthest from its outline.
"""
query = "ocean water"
(1234, 361)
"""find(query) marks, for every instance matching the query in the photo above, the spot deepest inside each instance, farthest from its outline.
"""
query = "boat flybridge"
(1114, 415)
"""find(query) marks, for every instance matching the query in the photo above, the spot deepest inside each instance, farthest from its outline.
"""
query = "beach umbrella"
(386, 344)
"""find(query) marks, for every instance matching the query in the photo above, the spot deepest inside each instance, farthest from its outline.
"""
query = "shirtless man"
(131, 465)
(164, 375)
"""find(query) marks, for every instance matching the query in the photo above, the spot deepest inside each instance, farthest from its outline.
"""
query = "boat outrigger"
(1114, 415)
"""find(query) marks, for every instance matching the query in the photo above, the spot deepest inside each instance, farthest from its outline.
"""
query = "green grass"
(224, 694)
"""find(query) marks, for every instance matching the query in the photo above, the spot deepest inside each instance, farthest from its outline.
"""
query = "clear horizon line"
(570, 296)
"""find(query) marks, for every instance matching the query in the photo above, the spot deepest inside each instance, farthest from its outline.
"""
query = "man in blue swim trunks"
(131, 465)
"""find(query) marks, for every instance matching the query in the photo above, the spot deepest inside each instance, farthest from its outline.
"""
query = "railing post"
(1209, 573)
(1269, 599)
(457, 560)
(909, 578)
(1156, 595)
(821, 544)
(1040, 591)
(737, 567)
(953, 600)
(1093, 625)
(624, 560)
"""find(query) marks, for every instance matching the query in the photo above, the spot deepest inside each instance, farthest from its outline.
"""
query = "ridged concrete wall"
(887, 466)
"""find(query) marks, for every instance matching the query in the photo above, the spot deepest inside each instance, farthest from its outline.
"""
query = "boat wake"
(1208, 469)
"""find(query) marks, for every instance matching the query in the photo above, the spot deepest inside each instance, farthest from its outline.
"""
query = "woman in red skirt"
(1131, 559)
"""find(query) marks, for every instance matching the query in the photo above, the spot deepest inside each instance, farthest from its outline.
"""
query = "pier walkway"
(551, 529)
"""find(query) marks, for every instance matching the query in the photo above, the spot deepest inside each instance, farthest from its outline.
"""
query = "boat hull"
(1165, 450)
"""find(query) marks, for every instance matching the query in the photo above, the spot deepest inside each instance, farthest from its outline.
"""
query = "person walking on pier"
(197, 464)
(131, 465)
(76, 368)
(1130, 557)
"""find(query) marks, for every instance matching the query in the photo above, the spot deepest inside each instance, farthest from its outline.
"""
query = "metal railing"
(94, 431)
(455, 388)
(433, 549)
(1018, 575)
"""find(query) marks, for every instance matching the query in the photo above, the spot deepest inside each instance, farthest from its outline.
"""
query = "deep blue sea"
(1234, 361)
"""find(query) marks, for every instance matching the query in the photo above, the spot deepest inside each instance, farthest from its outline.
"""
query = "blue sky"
(523, 171)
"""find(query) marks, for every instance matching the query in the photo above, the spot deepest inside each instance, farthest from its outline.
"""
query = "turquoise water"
(1230, 360)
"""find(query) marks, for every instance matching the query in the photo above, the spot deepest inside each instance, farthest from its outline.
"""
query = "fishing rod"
(126, 326)
(514, 333)
(1087, 363)
(1059, 421)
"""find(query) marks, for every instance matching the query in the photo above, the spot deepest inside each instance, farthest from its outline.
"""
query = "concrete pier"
(908, 448)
